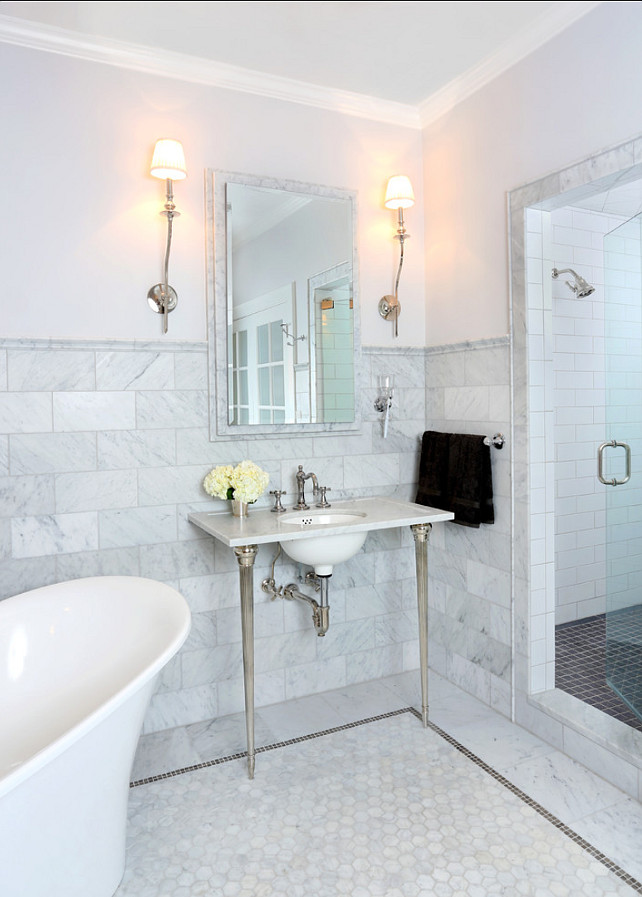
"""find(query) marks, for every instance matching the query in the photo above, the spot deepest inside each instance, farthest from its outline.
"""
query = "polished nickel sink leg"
(421, 534)
(246, 555)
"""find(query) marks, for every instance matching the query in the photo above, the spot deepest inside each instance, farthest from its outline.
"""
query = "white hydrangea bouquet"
(241, 484)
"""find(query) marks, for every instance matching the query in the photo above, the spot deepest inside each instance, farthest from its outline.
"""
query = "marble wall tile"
(74, 412)
(111, 562)
(17, 576)
(177, 559)
(52, 452)
(53, 534)
(193, 446)
(170, 709)
(95, 491)
(190, 370)
(284, 651)
(374, 664)
(126, 449)
(137, 526)
(322, 675)
(396, 627)
(50, 370)
(26, 496)
(179, 408)
(269, 688)
(163, 485)
(3, 370)
(347, 638)
(25, 412)
(370, 470)
(4, 455)
(134, 370)
(212, 664)
(211, 592)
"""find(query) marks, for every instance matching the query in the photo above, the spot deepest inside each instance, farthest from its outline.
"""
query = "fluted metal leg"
(421, 534)
(246, 555)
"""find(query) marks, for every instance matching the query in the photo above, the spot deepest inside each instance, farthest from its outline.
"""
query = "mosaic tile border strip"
(502, 780)
(542, 811)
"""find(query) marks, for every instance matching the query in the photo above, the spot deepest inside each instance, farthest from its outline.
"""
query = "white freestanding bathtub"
(79, 661)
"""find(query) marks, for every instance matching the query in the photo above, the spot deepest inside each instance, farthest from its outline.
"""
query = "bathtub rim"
(53, 749)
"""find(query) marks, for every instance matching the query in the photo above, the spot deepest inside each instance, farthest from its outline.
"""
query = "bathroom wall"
(573, 96)
(468, 391)
(104, 450)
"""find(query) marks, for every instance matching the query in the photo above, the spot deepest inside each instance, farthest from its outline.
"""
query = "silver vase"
(239, 508)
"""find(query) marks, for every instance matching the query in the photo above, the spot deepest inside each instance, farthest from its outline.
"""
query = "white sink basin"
(323, 551)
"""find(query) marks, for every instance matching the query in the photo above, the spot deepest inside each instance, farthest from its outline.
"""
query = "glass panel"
(243, 399)
(277, 341)
(242, 348)
(623, 368)
(263, 338)
(265, 416)
(264, 386)
(278, 386)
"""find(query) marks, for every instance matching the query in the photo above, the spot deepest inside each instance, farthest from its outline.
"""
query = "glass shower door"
(620, 457)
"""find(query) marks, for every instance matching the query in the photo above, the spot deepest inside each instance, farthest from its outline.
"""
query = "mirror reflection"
(285, 297)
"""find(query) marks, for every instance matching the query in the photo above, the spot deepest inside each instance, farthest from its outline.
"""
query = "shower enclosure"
(620, 460)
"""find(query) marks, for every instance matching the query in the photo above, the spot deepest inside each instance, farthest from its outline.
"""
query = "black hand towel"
(433, 470)
(455, 475)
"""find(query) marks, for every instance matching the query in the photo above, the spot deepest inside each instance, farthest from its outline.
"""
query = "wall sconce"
(400, 196)
(168, 163)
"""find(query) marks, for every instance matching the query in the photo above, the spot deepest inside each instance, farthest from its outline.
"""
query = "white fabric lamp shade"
(399, 193)
(169, 160)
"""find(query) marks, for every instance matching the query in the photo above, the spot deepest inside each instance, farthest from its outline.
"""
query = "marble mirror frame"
(217, 307)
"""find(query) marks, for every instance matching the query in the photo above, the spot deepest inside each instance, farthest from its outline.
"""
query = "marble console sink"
(362, 515)
(345, 522)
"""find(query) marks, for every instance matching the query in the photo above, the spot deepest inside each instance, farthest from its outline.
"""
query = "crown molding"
(168, 64)
(519, 47)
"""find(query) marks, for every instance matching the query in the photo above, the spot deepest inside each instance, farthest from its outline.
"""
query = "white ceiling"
(404, 51)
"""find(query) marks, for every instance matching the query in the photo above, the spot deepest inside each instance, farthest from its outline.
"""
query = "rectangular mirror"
(283, 306)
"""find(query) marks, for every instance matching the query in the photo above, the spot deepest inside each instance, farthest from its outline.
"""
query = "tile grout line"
(497, 776)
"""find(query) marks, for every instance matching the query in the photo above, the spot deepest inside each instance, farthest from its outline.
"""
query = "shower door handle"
(600, 463)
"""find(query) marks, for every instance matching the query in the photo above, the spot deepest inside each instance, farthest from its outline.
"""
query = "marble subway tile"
(17, 575)
(203, 631)
(470, 403)
(105, 562)
(269, 688)
(211, 592)
(193, 446)
(4, 456)
(394, 566)
(393, 628)
(283, 651)
(177, 559)
(26, 496)
(3, 370)
(179, 408)
(50, 370)
(190, 370)
(212, 664)
(165, 485)
(25, 412)
(53, 534)
(74, 412)
(95, 491)
(126, 449)
(137, 526)
(374, 664)
(488, 367)
(134, 370)
(346, 638)
(371, 470)
(170, 709)
(52, 452)
(306, 679)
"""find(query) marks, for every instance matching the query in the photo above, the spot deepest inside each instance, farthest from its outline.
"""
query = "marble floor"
(473, 806)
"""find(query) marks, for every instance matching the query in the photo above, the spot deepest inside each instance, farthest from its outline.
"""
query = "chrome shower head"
(581, 287)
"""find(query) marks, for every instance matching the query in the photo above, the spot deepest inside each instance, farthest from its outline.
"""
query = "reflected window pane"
(278, 386)
(265, 416)
(263, 339)
(279, 417)
(277, 341)
(242, 348)
(264, 386)
(243, 398)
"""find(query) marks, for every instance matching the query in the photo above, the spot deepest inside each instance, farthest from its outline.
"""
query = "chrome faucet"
(300, 485)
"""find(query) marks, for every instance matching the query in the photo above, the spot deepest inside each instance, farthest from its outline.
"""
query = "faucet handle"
(324, 503)
(277, 493)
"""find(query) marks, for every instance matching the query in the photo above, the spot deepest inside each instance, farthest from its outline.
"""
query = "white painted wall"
(571, 98)
(82, 239)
